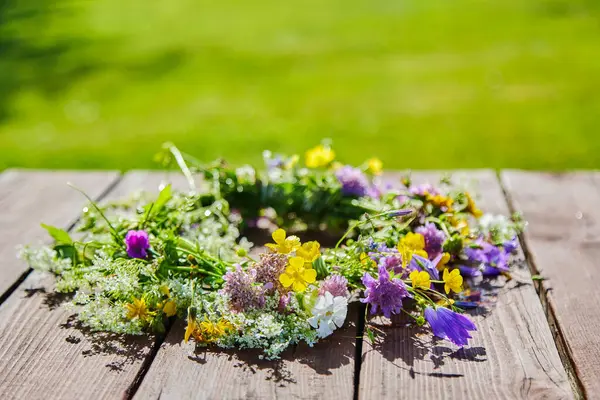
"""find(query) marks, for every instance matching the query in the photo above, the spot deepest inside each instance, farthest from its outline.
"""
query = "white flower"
(246, 174)
(328, 313)
(499, 226)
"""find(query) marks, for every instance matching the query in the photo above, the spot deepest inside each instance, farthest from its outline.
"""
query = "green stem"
(350, 229)
(192, 269)
(114, 232)
(409, 314)
(182, 165)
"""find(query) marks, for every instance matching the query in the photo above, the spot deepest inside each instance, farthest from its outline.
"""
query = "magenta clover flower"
(337, 285)
(137, 244)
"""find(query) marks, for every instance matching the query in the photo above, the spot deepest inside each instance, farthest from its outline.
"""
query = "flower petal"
(299, 286)
(279, 236)
(297, 262)
(272, 246)
(286, 280)
(310, 275)
(293, 242)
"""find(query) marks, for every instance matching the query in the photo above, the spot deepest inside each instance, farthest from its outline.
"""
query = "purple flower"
(270, 266)
(383, 248)
(434, 239)
(490, 271)
(488, 255)
(242, 291)
(275, 162)
(354, 181)
(371, 244)
(424, 189)
(421, 263)
(469, 271)
(384, 293)
(373, 192)
(391, 263)
(337, 285)
(137, 244)
(449, 325)
(400, 212)
(511, 245)
(284, 301)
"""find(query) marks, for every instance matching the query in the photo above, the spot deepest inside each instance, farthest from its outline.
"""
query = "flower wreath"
(406, 249)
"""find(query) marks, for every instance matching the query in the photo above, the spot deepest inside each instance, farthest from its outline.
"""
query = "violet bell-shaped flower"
(449, 325)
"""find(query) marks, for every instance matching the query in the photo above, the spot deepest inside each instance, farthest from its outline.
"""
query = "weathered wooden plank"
(563, 243)
(180, 371)
(46, 355)
(30, 197)
(512, 355)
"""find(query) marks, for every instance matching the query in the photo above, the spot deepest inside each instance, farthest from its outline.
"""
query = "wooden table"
(539, 340)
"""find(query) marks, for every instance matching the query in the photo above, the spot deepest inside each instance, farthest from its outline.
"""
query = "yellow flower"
(292, 161)
(310, 251)
(374, 166)
(170, 308)
(420, 279)
(319, 156)
(441, 201)
(137, 309)
(283, 244)
(452, 280)
(409, 245)
(297, 276)
(472, 208)
(191, 325)
(461, 224)
(223, 327)
(206, 331)
(444, 302)
(164, 289)
(443, 261)
(209, 332)
(366, 261)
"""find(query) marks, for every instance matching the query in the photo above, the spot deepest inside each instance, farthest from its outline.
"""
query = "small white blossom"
(498, 226)
(328, 313)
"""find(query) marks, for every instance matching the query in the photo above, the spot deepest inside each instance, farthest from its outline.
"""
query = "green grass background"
(418, 83)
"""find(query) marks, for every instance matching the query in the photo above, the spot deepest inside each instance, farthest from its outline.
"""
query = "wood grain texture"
(325, 371)
(30, 197)
(45, 354)
(563, 242)
(512, 355)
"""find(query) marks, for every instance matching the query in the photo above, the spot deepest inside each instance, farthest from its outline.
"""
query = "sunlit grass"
(421, 84)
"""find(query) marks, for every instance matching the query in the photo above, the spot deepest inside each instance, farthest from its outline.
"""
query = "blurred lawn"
(419, 83)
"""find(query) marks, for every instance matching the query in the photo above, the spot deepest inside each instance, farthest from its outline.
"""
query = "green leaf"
(67, 251)
(59, 235)
(321, 268)
(537, 278)
(370, 335)
(164, 196)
